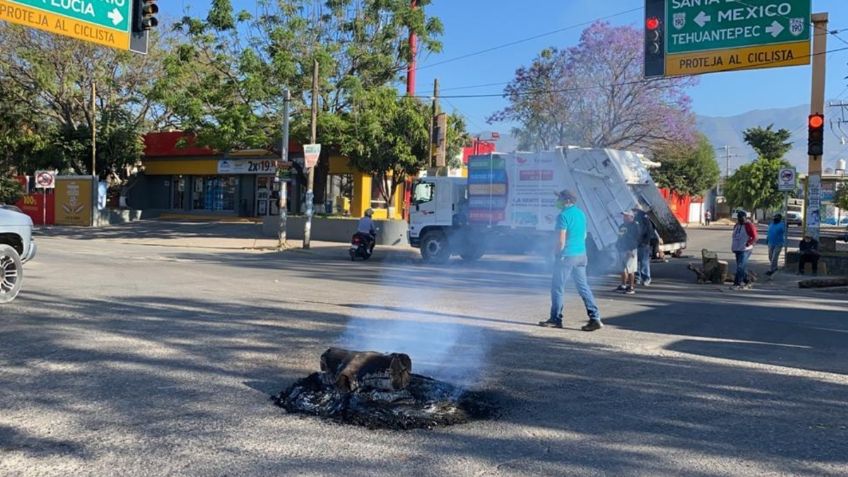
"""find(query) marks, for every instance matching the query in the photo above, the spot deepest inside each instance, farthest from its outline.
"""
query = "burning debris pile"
(379, 391)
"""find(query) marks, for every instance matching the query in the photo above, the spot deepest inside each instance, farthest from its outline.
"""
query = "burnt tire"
(435, 248)
(11, 273)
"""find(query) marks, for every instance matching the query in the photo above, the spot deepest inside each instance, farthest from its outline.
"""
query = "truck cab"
(438, 205)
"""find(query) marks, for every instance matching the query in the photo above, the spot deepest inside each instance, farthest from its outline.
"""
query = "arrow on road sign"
(775, 29)
(115, 16)
(702, 19)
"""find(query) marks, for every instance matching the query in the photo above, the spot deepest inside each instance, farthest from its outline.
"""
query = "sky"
(475, 25)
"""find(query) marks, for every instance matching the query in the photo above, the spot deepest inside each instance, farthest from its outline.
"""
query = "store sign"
(74, 201)
(247, 166)
(311, 153)
(786, 180)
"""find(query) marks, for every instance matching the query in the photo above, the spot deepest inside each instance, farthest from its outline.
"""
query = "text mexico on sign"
(704, 36)
(104, 22)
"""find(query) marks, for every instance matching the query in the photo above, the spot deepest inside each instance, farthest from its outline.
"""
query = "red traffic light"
(652, 23)
(816, 121)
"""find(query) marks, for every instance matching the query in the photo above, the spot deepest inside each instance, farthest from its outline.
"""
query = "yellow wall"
(169, 167)
(361, 194)
(362, 184)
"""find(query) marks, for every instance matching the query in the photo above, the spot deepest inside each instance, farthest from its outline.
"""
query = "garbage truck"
(507, 204)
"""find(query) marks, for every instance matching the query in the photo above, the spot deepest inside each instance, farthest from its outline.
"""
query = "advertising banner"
(74, 200)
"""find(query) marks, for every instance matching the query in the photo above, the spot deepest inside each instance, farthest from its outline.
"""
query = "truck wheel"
(435, 248)
(11, 273)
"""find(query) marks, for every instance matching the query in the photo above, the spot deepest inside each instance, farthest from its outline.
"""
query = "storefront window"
(339, 193)
(214, 193)
(178, 186)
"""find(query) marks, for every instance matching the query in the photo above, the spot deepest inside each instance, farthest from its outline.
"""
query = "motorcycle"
(361, 245)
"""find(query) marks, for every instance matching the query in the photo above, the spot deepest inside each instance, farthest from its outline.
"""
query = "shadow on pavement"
(163, 369)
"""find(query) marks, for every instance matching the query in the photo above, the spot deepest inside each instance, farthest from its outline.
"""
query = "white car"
(794, 218)
(16, 248)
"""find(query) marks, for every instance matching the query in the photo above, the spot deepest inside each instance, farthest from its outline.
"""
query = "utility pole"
(434, 113)
(727, 157)
(812, 219)
(93, 129)
(285, 159)
(310, 179)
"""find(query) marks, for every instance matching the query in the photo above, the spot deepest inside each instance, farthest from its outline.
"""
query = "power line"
(503, 83)
(626, 83)
(525, 40)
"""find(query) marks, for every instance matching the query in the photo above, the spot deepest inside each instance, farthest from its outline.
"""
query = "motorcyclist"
(366, 228)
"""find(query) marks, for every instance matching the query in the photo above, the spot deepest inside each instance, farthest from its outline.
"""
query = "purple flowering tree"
(594, 95)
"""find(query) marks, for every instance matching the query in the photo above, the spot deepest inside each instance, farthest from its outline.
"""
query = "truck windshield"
(423, 192)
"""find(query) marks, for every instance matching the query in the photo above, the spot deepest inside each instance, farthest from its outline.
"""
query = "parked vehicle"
(508, 204)
(794, 218)
(362, 246)
(16, 248)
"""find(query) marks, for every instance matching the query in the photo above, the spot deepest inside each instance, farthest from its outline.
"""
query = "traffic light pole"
(812, 219)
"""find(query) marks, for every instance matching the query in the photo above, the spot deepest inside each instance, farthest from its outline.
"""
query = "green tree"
(226, 73)
(10, 190)
(840, 198)
(50, 78)
(388, 137)
(768, 143)
(754, 186)
(687, 169)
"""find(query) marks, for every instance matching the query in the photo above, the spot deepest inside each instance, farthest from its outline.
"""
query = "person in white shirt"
(365, 227)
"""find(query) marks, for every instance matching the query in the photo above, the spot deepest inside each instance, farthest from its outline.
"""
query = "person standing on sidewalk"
(776, 240)
(744, 238)
(570, 261)
(628, 245)
(647, 233)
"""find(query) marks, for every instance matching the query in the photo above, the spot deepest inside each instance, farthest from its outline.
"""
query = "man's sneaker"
(770, 272)
(734, 287)
(746, 286)
(646, 283)
(629, 291)
(550, 324)
(592, 325)
(621, 288)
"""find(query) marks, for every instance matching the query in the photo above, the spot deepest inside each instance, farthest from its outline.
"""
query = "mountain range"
(727, 131)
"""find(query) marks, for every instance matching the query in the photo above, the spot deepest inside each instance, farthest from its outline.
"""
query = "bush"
(10, 190)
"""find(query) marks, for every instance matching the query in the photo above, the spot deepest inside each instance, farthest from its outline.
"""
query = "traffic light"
(815, 138)
(654, 37)
(144, 15)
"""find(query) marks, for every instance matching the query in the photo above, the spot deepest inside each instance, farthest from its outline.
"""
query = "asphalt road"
(127, 355)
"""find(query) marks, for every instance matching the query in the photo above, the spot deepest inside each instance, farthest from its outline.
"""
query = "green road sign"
(113, 14)
(104, 22)
(688, 37)
(701, 25)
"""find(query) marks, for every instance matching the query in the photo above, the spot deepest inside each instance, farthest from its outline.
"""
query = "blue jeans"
(742, 267)
(574, 267)
(644, 271)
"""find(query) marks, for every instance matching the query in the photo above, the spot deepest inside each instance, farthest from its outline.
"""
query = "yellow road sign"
(767, 56)
(63, 25)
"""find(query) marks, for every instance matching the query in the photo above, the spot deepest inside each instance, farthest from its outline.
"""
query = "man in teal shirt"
(570, 257)
(776, 240)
